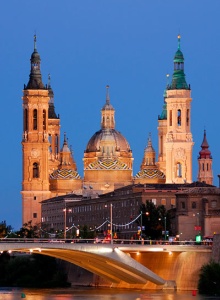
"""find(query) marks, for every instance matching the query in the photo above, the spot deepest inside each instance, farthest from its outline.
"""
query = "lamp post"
(65, 215)
(165, 228)
(64, 222)
(141, 225)
(111, 240)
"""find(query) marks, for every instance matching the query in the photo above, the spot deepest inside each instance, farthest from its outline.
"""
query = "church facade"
(49, 169)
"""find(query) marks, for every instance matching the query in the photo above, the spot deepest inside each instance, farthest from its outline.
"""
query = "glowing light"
(170, 253)
(138, 253)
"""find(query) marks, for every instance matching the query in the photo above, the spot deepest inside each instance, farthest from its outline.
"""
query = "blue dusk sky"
(88, 44)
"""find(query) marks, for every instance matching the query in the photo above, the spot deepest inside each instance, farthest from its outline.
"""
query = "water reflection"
(97, 294)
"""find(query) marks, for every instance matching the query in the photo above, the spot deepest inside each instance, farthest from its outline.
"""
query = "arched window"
(26, 120)
(35, 170)
(178, 65)
(35, 119)
(179, 117)
(187, 117)
(50, 143)
(179, 170)
(170, 117)
(44, 119)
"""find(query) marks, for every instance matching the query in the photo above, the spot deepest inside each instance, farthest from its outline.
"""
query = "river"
(96, 294)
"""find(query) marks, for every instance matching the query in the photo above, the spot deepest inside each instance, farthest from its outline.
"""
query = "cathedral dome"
(108, 138)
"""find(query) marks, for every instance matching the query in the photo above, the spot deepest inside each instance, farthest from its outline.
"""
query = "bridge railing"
(106, 241)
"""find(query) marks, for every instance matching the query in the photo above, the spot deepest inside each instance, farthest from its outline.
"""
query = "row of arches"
(178, 117)
(35, 120)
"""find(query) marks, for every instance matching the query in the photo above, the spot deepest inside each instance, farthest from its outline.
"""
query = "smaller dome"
(150, 174)
(64, 174)
(35, 55)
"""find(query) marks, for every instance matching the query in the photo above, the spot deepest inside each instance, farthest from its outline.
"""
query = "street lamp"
(111, 240)
(65, 215)
(165, 228)
(147, 214)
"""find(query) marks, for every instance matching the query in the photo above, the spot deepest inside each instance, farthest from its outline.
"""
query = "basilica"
(49, 168)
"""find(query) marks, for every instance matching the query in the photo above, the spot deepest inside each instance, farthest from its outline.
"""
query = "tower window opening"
(25, 119)
(178, 66)
(34, 215)
(50, 141)
(183, 205)
(35, 119)
(35, 170)
(161, 145)
(44, 119)
(179, 117)
(203, 167)
(207, 167)
(193, 204)
(57, 144)
(170, 117)
(187, 117)
(35, 66)
(179, 170)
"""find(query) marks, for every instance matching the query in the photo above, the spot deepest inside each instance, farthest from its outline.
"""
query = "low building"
(194, 210)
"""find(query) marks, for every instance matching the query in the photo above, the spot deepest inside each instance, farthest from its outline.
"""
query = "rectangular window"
(183, 205)
(154, 201)
(35, 198)
(213, 203)
(163, 201)
(34, 215)
(173, 201)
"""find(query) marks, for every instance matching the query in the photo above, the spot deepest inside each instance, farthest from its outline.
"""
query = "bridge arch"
(107, 261)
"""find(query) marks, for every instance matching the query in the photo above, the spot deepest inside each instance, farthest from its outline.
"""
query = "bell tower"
(179, 142)
(35, 145)
(205, 173)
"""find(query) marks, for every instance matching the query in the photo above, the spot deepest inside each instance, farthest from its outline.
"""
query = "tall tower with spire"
(205, 173)
(176, 151)
(35, 181)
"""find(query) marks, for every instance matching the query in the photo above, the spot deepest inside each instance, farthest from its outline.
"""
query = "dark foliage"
(154, 219)
(209, 280)
(34, 270)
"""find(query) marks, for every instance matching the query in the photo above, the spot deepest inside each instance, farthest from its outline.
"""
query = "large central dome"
(107, 141)
(108, 156)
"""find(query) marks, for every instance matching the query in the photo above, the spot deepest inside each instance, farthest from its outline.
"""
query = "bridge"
(114, 262)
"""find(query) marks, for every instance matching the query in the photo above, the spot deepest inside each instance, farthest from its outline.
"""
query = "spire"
(65, 147)
(107, 95)
(35, 78)
(149, 147)
(108, 112)
(178, 79)
(205, 153)
(179, 38)
(35, 43)
(51, 111)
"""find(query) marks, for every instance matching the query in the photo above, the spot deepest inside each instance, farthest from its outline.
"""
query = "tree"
(209, 279)
(29, 231)
(4, 229)
(154, 220)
